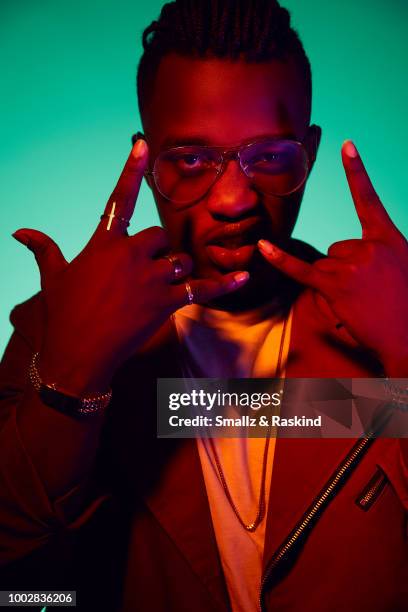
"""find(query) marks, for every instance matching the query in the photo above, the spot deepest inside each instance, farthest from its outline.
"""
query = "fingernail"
(241, 278)
(21, 236)
(139, 148)
(267, 247)
(350, 149)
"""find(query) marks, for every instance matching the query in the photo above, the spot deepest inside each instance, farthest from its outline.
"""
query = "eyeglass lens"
(185, 174)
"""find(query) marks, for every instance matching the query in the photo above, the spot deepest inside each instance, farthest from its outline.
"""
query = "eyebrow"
(178, 141)
(199, 140)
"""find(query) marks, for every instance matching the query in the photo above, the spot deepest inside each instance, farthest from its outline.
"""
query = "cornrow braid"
(255, 30)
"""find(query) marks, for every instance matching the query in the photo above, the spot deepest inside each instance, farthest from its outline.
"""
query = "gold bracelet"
(69, 404)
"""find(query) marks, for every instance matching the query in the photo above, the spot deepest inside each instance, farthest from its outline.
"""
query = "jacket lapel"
(170, 482)
(180, 505)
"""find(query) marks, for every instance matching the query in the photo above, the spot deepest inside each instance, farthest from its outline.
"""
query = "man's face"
(222, 103)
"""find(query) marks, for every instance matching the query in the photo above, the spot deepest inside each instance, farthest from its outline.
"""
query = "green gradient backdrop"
(68, 108)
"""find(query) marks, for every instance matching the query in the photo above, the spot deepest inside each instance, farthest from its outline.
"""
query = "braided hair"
(255, 30)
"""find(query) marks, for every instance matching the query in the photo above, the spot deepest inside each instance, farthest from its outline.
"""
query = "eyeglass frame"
(227, 154)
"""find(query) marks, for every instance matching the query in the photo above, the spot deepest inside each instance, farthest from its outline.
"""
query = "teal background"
(68, 108)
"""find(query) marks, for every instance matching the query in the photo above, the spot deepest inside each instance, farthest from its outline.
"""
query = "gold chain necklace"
(261, 505)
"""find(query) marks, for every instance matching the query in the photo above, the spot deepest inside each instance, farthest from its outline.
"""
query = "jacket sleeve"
(28, 518)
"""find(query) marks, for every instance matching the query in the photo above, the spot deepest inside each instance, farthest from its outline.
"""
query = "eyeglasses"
(183, 175)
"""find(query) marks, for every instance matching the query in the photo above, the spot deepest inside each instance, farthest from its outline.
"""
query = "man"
(96, 502)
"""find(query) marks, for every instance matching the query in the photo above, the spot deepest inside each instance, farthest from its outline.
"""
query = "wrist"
(73, 377)
(55, 395)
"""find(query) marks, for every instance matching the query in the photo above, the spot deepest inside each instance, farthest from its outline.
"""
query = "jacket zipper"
(330, 489)
(372, 491)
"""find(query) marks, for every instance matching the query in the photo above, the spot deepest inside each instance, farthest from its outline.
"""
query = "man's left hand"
(364, 281)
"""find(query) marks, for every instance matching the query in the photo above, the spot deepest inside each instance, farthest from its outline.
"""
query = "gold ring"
(190, 294)
(111, 216)
(177, 266)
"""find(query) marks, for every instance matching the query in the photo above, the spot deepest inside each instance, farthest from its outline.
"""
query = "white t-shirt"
(219, 344)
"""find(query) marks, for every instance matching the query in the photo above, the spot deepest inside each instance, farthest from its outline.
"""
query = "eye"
(271, 162)
(192, 163)
(190, 160)
(267, 157)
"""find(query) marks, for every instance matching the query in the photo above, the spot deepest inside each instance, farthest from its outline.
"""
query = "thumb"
(47, 253)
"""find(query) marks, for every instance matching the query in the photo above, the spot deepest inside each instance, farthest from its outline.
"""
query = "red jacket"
(143, 519)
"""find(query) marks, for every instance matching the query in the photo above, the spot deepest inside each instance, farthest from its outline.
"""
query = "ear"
(311, 142)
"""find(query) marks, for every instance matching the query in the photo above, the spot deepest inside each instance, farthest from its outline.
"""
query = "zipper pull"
(372, 490)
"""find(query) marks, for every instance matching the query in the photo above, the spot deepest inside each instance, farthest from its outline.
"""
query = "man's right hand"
(100, 308)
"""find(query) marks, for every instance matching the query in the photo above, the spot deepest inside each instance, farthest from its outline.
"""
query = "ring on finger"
(112, 216)
(178, 269)
(190, 294)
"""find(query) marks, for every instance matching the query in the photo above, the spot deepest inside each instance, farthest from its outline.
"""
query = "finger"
(344, 248)
(326, 264)
(47, 253)
(299, 270)
(374, 219)
(205, 290)
(152, 242)
(121, 204)
(174, 266)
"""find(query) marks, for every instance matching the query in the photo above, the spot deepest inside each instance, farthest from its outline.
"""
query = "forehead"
(225, 102)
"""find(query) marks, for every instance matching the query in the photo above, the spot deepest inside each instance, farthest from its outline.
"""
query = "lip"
(231, 259)
(236, 234)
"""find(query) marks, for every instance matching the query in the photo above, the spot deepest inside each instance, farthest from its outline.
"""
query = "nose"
(231, 195)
